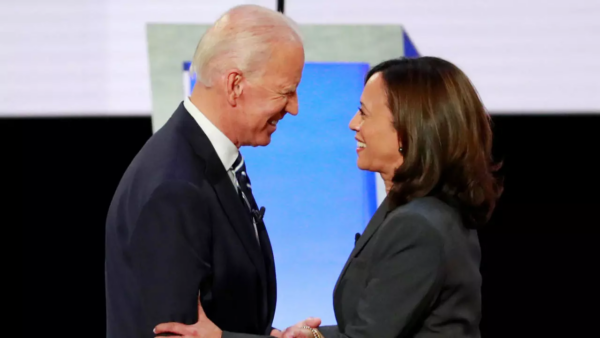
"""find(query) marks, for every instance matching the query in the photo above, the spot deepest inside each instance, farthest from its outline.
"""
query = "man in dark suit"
(183, 222)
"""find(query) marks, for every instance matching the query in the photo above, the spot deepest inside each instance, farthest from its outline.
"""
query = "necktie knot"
(239, 168)
(244, 190)
(243, 183)
(238, 163)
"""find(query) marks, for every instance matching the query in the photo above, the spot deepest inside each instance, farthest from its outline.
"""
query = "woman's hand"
(300, 330)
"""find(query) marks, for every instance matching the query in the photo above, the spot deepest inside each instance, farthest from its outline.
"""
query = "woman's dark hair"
(446, 137)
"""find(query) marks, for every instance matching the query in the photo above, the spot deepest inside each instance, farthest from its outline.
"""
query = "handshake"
(205, 328)
(304, 329)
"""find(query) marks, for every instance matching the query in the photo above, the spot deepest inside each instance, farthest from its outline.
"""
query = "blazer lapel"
(371, 228)
(225, 191)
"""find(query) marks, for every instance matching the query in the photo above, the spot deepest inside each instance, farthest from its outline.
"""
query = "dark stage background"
(539, 251)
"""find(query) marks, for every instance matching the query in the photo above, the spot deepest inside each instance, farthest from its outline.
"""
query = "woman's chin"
(361, 165)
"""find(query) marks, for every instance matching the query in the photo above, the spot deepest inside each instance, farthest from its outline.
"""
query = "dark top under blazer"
(176, 227)
(413, 273)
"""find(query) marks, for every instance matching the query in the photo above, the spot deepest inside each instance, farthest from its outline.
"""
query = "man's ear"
(234, 86)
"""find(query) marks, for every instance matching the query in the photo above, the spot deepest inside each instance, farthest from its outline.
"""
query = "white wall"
(88, 57)
(53, 56)
(523, 56)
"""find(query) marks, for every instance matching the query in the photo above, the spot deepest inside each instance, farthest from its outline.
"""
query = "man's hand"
(276, 333)
(297, 330)
(204, 328)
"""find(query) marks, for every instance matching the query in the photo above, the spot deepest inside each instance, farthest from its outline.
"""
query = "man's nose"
(292, 106)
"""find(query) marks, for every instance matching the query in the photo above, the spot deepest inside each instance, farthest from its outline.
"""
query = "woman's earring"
(400, 149)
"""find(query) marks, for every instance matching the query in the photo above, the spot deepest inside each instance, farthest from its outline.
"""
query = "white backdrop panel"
(89, 57)
(537, 56)
(86, 57)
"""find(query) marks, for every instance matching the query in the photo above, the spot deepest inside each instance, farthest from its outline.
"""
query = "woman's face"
(377, 139)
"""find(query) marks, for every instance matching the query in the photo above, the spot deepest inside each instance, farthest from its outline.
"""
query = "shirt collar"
(226, 150)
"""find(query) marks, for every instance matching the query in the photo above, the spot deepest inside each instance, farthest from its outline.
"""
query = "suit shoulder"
(177, 190)
(167, 156)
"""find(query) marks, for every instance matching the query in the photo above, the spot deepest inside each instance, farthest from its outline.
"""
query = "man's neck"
(208, 103)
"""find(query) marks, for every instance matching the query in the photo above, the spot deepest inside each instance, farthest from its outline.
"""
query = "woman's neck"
(387, 180)
(389, 173)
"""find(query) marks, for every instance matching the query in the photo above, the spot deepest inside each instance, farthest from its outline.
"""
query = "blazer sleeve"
(330, 331)
(170, 254)
(406, 275)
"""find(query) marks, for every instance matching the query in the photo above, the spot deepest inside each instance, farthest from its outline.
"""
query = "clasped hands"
(205, 328)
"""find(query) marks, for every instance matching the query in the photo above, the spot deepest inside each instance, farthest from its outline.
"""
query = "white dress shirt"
(226, 150)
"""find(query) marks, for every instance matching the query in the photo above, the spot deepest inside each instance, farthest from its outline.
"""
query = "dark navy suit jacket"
(177, 228)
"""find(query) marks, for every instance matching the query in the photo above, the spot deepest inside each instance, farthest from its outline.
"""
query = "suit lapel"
(371, 228)
(236, 213)
(228, 198)
(270, 269)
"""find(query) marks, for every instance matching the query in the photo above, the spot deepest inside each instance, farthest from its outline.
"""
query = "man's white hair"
(241, 38)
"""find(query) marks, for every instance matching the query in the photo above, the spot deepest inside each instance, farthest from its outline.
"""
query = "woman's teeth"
(361, 145)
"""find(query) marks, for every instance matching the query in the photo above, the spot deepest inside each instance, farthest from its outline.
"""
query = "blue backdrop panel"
(316, 198)
(410, 51)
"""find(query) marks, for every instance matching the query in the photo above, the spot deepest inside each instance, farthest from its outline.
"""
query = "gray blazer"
(414, 272)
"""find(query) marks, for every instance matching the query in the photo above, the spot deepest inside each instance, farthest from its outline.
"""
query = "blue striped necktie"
(244, 188)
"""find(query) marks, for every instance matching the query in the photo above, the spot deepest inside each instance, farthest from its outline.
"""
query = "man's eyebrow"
(289, 89)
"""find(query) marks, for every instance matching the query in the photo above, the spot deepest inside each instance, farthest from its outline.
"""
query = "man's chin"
(263, 141)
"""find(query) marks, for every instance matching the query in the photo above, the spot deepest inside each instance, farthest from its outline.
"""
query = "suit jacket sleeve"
(406, 274)
(170, 254)
(227, 334)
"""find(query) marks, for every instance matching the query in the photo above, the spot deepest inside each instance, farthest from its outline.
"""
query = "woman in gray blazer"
(414, 272)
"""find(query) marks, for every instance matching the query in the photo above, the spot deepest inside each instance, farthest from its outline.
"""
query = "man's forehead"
(284, 82)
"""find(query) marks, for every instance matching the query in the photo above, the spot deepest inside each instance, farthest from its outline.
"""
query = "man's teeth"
(361, 145)
(273, 122)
